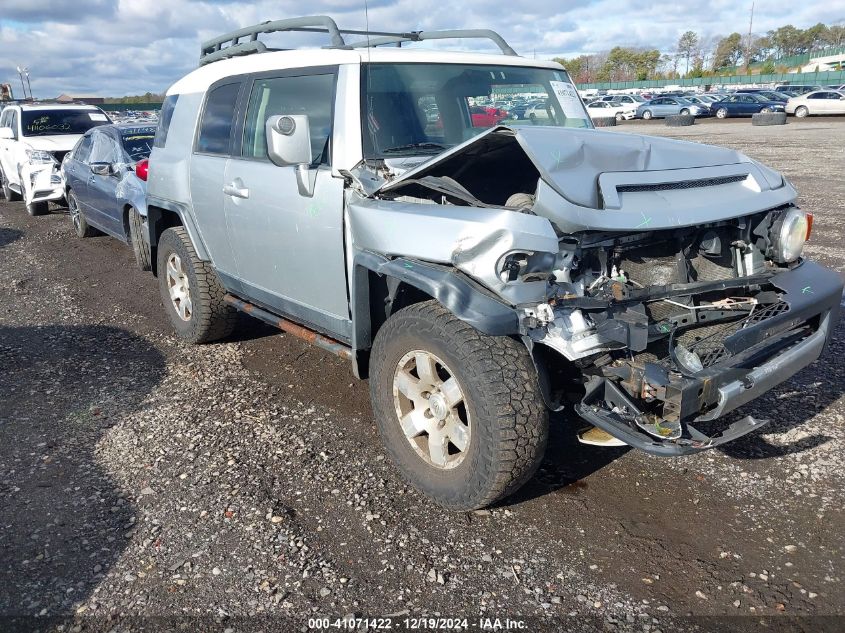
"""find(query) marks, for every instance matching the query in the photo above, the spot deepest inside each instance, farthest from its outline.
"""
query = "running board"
(323, 342)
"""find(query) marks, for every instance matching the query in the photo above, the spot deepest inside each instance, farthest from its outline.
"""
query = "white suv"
(33, 141)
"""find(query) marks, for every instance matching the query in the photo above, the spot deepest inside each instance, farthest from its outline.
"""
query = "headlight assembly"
(40, 157)
(788, 235)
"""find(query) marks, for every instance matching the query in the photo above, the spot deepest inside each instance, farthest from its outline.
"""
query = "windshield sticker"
(568, 99)
(97, 116)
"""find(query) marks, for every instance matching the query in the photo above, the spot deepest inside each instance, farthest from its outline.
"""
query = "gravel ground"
(149, 484)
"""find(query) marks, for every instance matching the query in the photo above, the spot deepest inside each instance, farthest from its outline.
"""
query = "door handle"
(233, 189)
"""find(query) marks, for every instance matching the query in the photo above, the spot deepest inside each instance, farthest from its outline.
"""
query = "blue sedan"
(105, 185)
(745, 105)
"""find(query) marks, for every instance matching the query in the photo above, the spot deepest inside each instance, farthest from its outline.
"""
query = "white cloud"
(114, 47)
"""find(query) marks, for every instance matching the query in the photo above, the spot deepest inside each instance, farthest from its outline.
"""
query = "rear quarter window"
(164, 118)
(218, 117)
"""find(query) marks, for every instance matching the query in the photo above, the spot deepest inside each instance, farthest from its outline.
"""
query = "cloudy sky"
(117, 47)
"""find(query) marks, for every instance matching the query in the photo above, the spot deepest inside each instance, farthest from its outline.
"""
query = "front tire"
(647, 115)
(802, 111)
(685, 111)
(8, 194)
(80, 224)
(460, 412)
(722, 113)
(139, 246)
(191, 293)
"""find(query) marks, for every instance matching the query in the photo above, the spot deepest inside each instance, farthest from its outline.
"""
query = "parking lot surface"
(141, 476)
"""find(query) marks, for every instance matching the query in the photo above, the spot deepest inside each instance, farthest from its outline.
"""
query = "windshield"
(50, 122)
(138, 142)
(427, 108)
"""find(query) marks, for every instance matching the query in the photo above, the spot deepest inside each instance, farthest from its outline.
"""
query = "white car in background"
(629, 102)
(608, 110)
(817, 102)
(34, 139)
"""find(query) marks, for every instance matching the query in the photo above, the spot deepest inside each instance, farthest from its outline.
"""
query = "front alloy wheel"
(721, 113)
(801, 112)
(460, 412)
(179, 287)
(430, 408)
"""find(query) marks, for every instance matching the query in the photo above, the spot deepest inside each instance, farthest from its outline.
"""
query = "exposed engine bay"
(660, 288)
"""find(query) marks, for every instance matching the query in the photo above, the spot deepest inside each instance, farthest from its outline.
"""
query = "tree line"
(147, 97)
(696, 55)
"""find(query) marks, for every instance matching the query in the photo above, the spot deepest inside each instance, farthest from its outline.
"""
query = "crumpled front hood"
(606, 180)
(53, 143)
(571, 160)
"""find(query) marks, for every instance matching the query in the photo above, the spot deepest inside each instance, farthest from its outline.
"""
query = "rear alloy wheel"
(722, 113)
(80, 224)
(802, 111)
(460, 412)
(191, 293)
(647, 115)
(140, 246)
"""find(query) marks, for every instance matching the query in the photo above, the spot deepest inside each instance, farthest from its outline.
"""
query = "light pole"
(23, 85)
(28, 85)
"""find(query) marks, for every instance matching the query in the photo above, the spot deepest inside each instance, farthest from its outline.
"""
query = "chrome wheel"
(179, 287)
(73, 208)
(430, 409)
(801, 112)
(721, 113)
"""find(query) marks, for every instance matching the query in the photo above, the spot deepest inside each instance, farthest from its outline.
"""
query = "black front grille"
(709, 341)
(683, 184)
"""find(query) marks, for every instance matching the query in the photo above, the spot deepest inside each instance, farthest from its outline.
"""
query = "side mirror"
(288, 139)
(6, 133)
(101, 169)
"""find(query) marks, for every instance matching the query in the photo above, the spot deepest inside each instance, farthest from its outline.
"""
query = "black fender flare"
(456, 292)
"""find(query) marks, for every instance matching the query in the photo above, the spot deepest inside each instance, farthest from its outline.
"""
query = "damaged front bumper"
(41, 182)
(652, 403)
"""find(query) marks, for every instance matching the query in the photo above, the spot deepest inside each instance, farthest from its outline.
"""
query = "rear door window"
(215, 132)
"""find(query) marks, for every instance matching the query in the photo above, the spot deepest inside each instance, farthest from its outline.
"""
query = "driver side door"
(289, 241)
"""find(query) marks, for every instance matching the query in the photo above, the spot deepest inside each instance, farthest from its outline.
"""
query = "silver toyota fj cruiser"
(480, 268)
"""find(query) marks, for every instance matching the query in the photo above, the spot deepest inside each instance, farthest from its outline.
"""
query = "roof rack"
(231, 44)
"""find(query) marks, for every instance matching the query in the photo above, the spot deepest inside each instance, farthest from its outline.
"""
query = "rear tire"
(191, 293)
(80, 224)
(38, 208)
(136, 237)
(481, 426)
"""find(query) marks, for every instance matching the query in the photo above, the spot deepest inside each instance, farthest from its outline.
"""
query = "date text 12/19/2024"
(417, 624)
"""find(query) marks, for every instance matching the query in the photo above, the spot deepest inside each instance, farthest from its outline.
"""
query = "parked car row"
(74, 153)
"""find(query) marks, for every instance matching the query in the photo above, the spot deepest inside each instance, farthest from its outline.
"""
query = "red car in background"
(486, 117)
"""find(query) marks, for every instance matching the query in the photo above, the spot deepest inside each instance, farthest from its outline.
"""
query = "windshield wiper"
(415, 146)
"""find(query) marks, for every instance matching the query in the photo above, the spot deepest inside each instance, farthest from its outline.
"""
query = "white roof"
(201, 78)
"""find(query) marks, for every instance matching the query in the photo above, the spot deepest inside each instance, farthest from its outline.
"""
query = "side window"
(83, 149)
(217, 119)
(312, 95)
(103, 149)
(164, 118)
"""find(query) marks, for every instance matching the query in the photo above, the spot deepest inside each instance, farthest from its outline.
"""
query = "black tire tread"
(215, 319)
(142, 253)
(509, 384)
